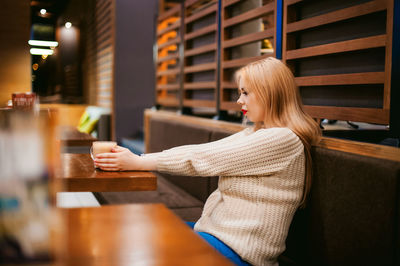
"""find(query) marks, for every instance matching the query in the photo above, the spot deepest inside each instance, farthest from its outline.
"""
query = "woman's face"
(251, 105)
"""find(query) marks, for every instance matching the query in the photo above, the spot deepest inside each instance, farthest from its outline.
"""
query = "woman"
(264, 172)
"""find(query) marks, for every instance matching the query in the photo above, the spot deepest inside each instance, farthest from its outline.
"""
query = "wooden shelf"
(342, 79)
(338, 47)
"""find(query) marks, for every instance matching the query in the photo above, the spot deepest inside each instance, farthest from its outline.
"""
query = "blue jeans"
(221, 247)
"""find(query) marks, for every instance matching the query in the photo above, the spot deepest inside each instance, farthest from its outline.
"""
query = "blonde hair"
(274, 85)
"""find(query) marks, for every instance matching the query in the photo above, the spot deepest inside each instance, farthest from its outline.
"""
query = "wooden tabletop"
(77, 173)
(135, 234)
(70, 136)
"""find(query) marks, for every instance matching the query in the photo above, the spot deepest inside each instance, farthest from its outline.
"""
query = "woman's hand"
(120, 159)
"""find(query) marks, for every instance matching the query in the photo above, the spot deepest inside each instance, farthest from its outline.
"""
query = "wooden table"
(77, 173)
(136, 234)
(70, 136)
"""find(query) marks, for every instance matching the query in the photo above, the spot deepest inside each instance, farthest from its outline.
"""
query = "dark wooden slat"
(230, 106)
(201, 50)
(199, 85)
(291, 2)
(229, 85)
(201, 32)
(248, 38)
(338, 47)
(346, 13)
(168, 57)
(342, 79)
(241, 61)
(198, 103)
(171, 102)
(200, 67)
(169, 13)
(168, 87)
(173, 71)
(171, 27)
(170, 42)
(368, 115)
(190, 2)
(201, 14)
(388, 57)
(227, 3)
(252, 14)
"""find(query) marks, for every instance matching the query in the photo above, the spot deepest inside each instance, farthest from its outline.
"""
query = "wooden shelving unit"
(340, 54)
(200, 54)
(168, 63)
(339, 51)
(247, 34)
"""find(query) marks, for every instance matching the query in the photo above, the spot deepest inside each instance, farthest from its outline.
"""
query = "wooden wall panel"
(340, 54)
(248, 33)
(104, 57)
(169, 59)
(339, 51)
(201, 56)
(15, 70)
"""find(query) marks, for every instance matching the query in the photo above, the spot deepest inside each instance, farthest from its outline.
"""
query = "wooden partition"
(339, 51)
(200, 54)
(105, 52)
(168, 58)
(247, 34)
(340, 54)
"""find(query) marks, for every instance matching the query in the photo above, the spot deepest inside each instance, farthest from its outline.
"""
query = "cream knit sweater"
(259, 189)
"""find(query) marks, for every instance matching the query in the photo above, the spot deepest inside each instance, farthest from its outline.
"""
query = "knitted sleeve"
(262, 152)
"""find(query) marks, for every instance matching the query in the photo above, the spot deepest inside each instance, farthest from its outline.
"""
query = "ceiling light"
(37, 51)
(68, 25)
(43, 43)
(43, 11)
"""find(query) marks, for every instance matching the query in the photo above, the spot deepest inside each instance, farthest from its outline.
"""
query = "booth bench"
(352, 216)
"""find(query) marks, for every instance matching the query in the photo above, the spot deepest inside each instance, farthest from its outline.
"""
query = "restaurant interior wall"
(316, 39)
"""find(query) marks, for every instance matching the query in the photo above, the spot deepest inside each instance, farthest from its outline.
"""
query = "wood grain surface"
(77, 173)
(137, 234)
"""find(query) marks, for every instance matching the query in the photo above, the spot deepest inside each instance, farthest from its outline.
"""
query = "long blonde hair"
(274, 85)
